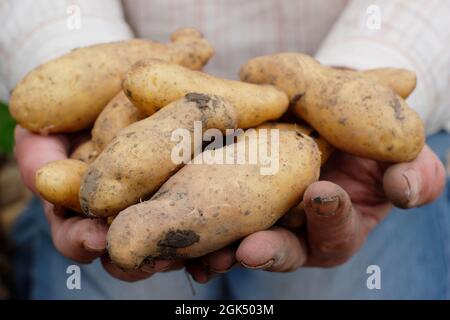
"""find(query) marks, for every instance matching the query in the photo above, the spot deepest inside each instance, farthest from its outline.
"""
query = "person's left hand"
(78, 238)
(353, 196)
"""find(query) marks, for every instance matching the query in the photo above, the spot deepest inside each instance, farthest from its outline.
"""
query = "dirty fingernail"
(413, 186)
(265, 265)
(325, 205)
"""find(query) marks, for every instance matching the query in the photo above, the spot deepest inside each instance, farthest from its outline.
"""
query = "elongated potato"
(402, 81)
(118, 114)
(152, 84)
(68, 93)
(294, 218)
(205, 207)
(351, 111)
(138, 161)
(324, 147)
(59, 182)
(85, 152)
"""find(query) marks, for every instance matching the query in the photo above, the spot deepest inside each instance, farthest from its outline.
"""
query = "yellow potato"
(353, 112)
(118, 114)
(67, 93)
(152, 84)
(59, 181)
(402, 81)
(205, 207)
(85, 152)
(139, 159)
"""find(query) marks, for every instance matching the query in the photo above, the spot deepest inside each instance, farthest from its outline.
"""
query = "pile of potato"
(134, 94)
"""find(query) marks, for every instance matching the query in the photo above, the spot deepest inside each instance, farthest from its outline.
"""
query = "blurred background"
(13, 198)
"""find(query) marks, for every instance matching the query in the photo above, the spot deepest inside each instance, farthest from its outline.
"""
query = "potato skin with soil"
(119, 113)
(351, 111)
(59, 182)
(152, 84)
(402, 81)
(67, 93)
(205, 207)
(138, 160)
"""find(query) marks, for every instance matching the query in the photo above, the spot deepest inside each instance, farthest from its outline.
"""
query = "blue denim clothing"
(411, 248)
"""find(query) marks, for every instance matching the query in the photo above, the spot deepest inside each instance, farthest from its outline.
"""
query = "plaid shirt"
(359, 34)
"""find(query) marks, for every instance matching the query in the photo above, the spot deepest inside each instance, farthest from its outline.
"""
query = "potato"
(205, 207)
(152, 84)
(351, 111)
(59, 182)
(67, 93)
(324, 147)
(402, 81)
(295, 217)
(139, 159)
(118, 114)
(85, 152)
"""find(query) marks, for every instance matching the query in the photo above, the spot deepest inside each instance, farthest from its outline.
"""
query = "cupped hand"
(75, 237)
(353, 196)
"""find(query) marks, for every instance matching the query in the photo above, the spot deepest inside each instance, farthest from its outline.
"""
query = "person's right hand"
(75, 237)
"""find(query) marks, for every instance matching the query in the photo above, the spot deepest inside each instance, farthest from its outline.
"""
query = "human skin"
(353, 196)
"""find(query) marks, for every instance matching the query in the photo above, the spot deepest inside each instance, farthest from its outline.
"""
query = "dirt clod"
(179, 239)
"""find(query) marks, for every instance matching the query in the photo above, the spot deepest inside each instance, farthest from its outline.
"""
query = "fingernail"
(93, 248)
(210, 274)
(201, 276)
(325, 205)
(265, 265)
(413, 186)
(48, 207)
(157, 266)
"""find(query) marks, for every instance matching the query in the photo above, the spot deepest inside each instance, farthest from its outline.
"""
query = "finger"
(276, 249)
(220, 261)
(124, 275)
(334, 231)
(159, 265)
(199, 272)
(32, 151)
(415, 183)
(77, 238)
